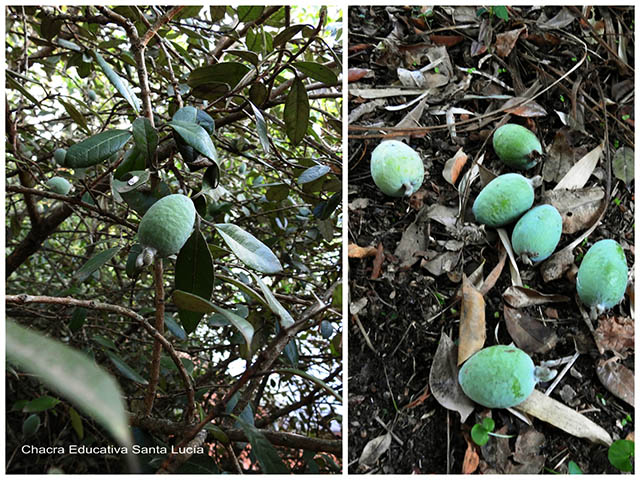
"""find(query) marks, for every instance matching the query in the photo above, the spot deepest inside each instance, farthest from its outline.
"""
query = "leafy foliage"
(228, 106)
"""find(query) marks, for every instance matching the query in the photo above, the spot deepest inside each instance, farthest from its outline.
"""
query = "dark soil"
(407, 309)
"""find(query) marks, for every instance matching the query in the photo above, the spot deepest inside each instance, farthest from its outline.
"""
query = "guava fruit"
(92, 95)
(166, 226)
(500, 376)
(503, 200)
(517, 146)
(537, 233)
(602, 276)
(59, 185)
(396, 168)
(59, 156)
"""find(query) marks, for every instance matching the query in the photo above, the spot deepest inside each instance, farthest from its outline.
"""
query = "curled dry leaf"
(559, 415)
(507, 40)
(472, 322)
(579, 208)
(413, 240)
(493, 276)
(520, 297)
(529, 109)
(616, 378)
(356, 251)
(471, 458)
(440, 262)
(377, 262)
(443, 380)
(560, 157)
(356, 74)
(454, 166)
(374, 449)
(615, 334)
(528, 333)
(554, 267)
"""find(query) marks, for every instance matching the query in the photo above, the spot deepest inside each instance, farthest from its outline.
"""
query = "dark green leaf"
(296, 112)
(125, 369)
(317, 71)
(145, 137)
(217, 12)
(50, 27)
(229, 73)
(261, 126)
(315, 380)
(277, 193)
(104, 341)
(258, 93)
(131, 268)
(78, 318)
(286, 320)
(313, 173)
(286, 35)
(247, 55)
(96, 148)
(620, 453)
(251, 251)
(70, 45)
(174, 327)
(290, 351)
(266, 454)
(73, 375)
(31, 425)
(13, 84)
(41, 404)
(121, 85)
(211, 178)
(133, 160)
(197, 137)
(194, 274)
(76, 116)
(94, 263)
(249, 13)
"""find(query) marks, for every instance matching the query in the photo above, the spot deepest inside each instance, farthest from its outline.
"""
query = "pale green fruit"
(515, 145)
(59, 185)
(498, 377)
(537, 233)
(603, 275)
(396, 168)
(59, 155)
(167, 225)
(503, 200)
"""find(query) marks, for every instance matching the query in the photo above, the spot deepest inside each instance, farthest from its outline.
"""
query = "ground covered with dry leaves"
(443, 80)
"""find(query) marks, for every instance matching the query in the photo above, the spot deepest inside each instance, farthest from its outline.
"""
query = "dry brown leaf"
(374, 449)
(554, 267)
(493, 276)
(472, 322)
(446, 40)
(578, 208)
(615, 334)
(616, 378)
(507, 40)
(418, 401)
(356, 251)
(528, 110)
(413, 240)
(440, 262)
(377, 262)
(520, 297)
(454, 166)
(528, 333)
(556, 413)
(560, 157)
(356, 74)
(471, 458)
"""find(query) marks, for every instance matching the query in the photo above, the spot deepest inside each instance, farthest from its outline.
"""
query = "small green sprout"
(480, 432)
(616, 142)
(574, 469)
(574, 59)
(496, 314)
(620, 453)
(502, 70)
(437, 70)
(617, 201)
(626, 420)
(562, 98)
(626, 117)
(471, 70)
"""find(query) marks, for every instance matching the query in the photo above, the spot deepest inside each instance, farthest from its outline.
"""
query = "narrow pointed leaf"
(296, 112)
(313, 173)
(261, 126)
(251, 251)
(276, 307)
(145, 137)
(317, 71)
(197, 137)
(287, 34)
(76, 116)
(125, 369)
(96, 148)
(229, 73)
(121, 85)
(73, 375)
(94, 263)
(266, 454)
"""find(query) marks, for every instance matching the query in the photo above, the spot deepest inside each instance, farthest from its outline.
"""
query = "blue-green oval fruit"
(498, 377)
(59, 155)
(503, 200)
(396, 168)
(537, 233)
(166, 226)
(515, 145)
(603, 275)
(59, 185)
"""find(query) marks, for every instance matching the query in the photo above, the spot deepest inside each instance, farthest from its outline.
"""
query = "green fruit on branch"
(503, 200)
(537, 233)
(396, 168)
(166, 226)
(602, 276)
(59, 185)
(59, 156)
(92, 95)
(517, 146)
(501, 376)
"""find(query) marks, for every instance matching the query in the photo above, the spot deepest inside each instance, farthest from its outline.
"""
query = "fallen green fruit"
(517, 146)
(602, 276)
(166, 226)
(503, 200)
(498, 377)
(396, 168)
(537, 233)
(59, 156)
(59, 185)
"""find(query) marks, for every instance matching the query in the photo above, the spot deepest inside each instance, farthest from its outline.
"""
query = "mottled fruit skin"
(166, 226)
(515, 144)
(59, 185)
(603, 275)
(59, 156)
(503, 200)
(498, 377)
(396, 168)
(537, 233)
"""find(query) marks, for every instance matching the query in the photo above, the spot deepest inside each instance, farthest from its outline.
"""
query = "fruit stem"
(408, 189)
